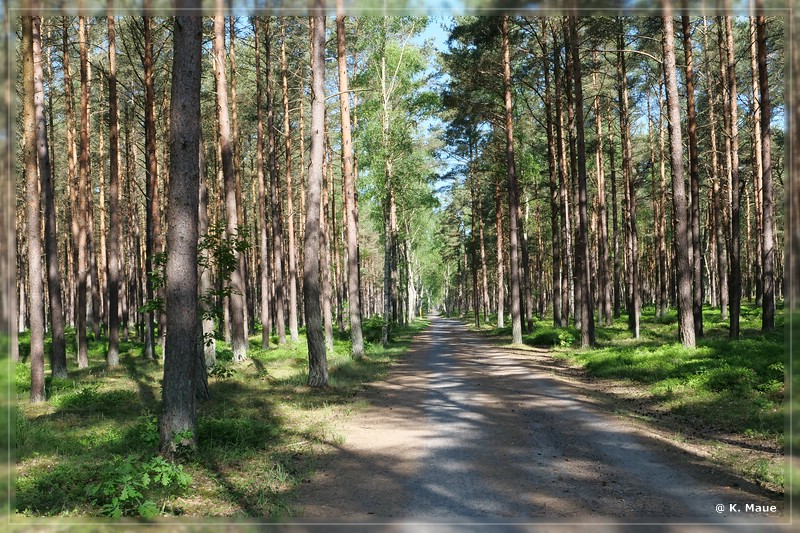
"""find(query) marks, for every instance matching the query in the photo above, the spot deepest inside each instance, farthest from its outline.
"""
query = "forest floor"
(454, 424)
(91, 449)
(468, 429)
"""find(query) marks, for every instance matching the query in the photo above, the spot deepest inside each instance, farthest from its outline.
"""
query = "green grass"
(733, 386)
(259, 435)
(721, 387)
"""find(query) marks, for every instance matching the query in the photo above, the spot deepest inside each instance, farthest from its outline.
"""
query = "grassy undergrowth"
(721, 388)
(91, 448)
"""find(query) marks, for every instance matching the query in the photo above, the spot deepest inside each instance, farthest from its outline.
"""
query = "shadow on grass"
(247, 453)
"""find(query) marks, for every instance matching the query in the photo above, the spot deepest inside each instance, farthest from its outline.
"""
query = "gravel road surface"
(464, 430)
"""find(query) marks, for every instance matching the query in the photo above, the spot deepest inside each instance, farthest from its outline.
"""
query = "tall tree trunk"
(526, 301)
(735, 277)
(389, 272)
(317, 362)
(684, 273)
(72, 175)
(153, 225)
(101, 260)
(32, 211)
(602, 235)
(83, 192)
(237, 304)
(241, 217)
(266, 319)
(325, 257)
(694, 180)
(335, 237)
(293, 334)
(658, 280)
(112, 356)
(661, 222)
(134, 248)
(348, 175)
(632, 273)
(58, 357)
(93, 315)
(566, 235)
(275, 200)
(768, 254)
(206, 283)
(724, 203)
(484, 270)
(499, 230)
(614, 222)
(180, 349)
(474, 237)
(758, 167)
(513, 195)
(575, 286)
(587, 306)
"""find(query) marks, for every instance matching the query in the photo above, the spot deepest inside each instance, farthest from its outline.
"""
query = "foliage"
(130, 486)
(222, 371)
(216, 250)
(158, 279)
(548, 336)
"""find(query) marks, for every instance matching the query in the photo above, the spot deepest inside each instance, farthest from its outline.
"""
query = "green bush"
(731, 379)
(88, 397)
(554, 337)
(22, 377)
(222, 371)
(131, 486)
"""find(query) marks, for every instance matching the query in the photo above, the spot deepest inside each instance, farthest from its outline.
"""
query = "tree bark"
(606, 316)
(720, 222)
(566, 234)
(58, 357)
(275, 201)
(684, 273)
(237, 304)
(325, 254)
(758, 167)
(241, 215)
(357, 351)
(614, 222)
(206, 284)
(473, 237)
(293, 334)
(266, 319)
(632, 272)
(317, 362)
(694, 180)
(499, 230)
(735, 277)
(83, 192)
(72, 177)
(661, 223)
(768, 254)
(180, 349)
(33, 217)
(153, 224)
(587, 306)
(513, 194)
(484, 270)
(112, 356)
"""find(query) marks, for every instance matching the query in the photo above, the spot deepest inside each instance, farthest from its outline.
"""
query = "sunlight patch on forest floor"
(260, 434)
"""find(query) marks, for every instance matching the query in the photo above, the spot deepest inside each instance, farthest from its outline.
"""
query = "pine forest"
(231, 225)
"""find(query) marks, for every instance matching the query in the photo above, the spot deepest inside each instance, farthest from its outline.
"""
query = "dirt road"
(463, 429)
